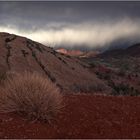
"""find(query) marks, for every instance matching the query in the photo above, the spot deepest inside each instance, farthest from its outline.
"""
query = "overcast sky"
(73, 24)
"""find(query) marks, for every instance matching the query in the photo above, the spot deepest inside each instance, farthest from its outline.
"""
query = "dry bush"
(31, 95)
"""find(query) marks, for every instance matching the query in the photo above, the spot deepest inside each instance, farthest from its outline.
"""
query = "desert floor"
(84, 116)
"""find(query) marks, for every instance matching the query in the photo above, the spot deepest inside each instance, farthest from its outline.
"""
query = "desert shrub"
(31, 95)
(105, 76)
(136, 75)
(72, 68)
(121, 73)
(99, 74)
(3, 76)
(92, 65)
(68, 56)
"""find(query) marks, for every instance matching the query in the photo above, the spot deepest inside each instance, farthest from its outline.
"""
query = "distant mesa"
(70, 52)
(78, 53)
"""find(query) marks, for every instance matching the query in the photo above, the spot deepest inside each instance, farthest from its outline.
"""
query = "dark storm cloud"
(70, 23)
(69, 10)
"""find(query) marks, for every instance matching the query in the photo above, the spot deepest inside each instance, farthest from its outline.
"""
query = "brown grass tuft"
(32, 95)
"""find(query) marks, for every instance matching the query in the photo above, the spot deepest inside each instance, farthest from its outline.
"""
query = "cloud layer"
(91, 34)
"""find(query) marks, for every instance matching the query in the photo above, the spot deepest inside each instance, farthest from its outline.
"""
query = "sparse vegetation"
(121, 73)
(89, 87)
(24, 53)
(31, 95)
(115, 71)
(123, 89)
(105, 76)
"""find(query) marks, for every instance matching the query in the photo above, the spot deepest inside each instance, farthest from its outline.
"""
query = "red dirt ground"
(85, 116)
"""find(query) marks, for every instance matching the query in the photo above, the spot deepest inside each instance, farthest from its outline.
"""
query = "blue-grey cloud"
(90, 34)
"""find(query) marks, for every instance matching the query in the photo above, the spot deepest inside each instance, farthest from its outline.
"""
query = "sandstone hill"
(70, 74)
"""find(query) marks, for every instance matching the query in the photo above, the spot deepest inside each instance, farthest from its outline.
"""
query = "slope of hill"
(133, 51)
(20, 54)
(119, 68)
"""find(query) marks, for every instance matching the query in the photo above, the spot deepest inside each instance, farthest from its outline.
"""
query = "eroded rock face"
(22, 54)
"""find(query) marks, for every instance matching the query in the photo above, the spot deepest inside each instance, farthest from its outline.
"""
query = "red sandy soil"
(84, 116)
